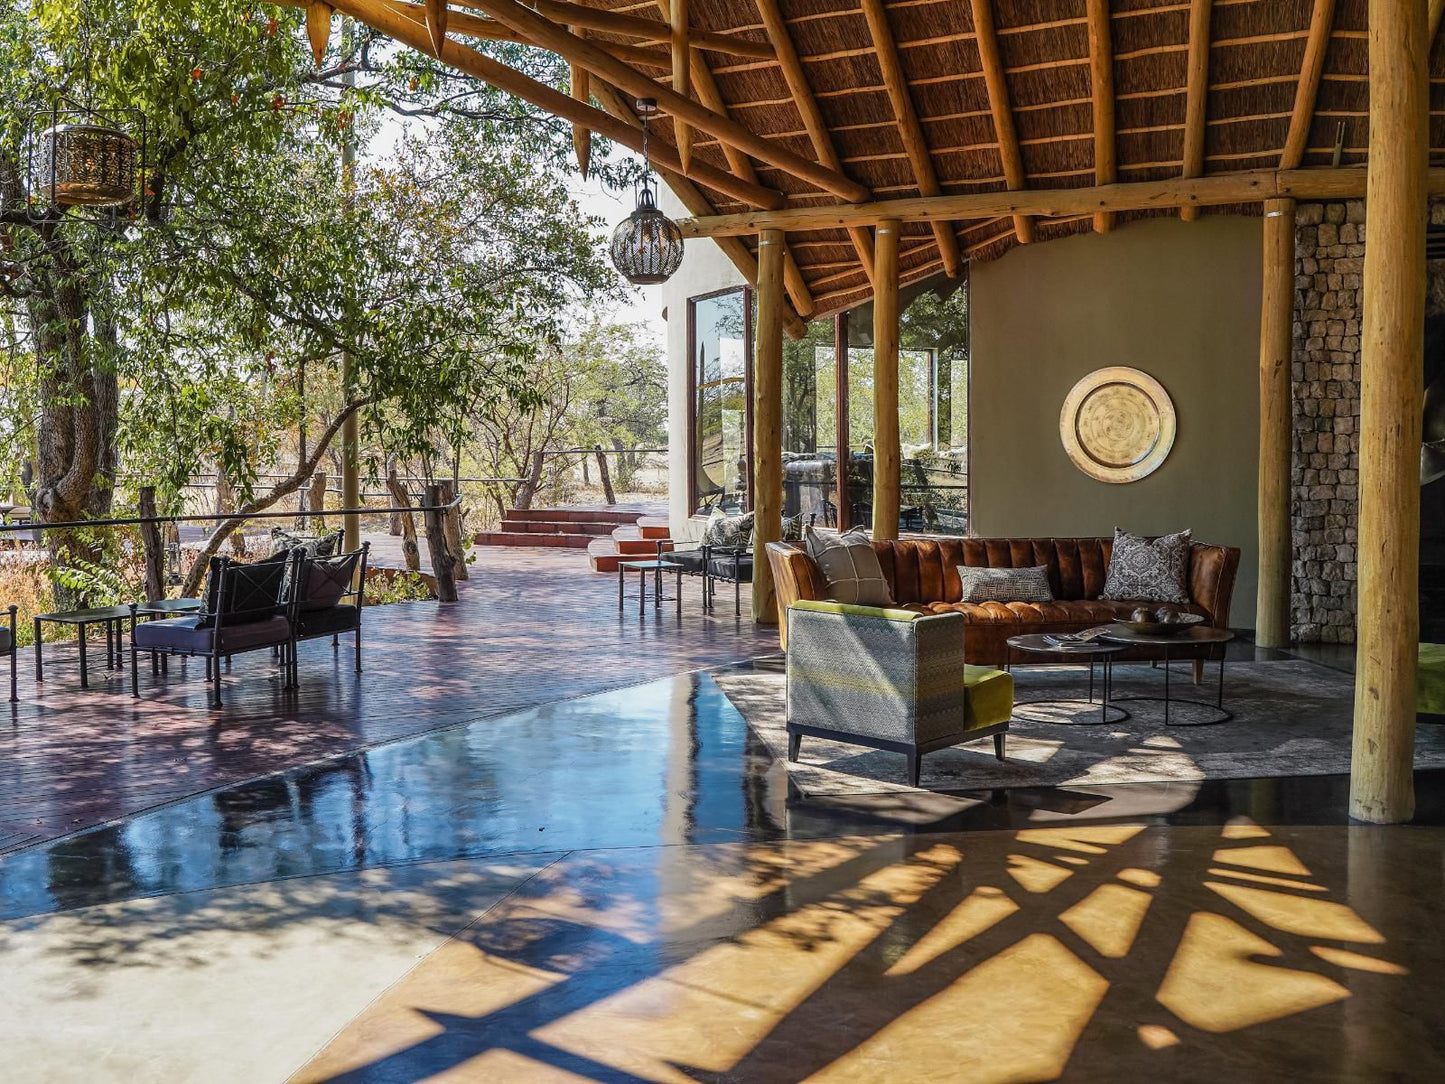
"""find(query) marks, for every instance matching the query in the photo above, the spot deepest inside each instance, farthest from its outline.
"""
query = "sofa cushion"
(251, 592)
(188, 634)
(730, 532)
(1005, 584)
(725, 567)
(850, 567)
(333, 619)
(326, 579)
(845, 609)
(5, 642)
(1156, 569)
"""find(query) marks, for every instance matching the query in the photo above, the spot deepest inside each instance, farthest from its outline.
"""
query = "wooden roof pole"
(986, 39)
(694, 200)
(548, 35)
(650, 30)
(1313, 66)
(1245, 186)
(395, 21)
(1196, 96)
(909, 129)
(318, 28)
(681, 78)
(1101, 84)
(708, 93)
(807, 105)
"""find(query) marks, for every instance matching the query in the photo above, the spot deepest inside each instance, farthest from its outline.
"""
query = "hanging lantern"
(85, 165)
(647, 245)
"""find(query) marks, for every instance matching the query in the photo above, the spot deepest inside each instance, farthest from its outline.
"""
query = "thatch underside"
(1256, 54)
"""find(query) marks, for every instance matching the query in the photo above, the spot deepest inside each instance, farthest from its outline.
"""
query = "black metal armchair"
(329, 599)
(9, 645)
(246, 607)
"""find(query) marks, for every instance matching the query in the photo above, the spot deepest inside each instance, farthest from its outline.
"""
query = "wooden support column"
(767, 422)
(886, 454)
(1276, 320)
(1391, 399)
(1196, 104)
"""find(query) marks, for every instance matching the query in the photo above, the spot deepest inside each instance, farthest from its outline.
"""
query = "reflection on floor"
(622, 888)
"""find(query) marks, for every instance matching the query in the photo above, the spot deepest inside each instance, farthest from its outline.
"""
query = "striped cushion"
(1005, 584)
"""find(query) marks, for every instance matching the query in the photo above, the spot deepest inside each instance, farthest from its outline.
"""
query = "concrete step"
(573, 515)
(596, 529)
(654, 527)
(603, 555)
(524, 538)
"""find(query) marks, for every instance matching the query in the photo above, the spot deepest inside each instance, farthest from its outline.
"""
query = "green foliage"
(397, 586)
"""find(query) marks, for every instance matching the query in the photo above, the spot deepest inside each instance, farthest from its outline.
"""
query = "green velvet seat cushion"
(1430, 680)
(990, 696)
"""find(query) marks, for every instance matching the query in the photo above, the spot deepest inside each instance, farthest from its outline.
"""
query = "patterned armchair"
(889, 679)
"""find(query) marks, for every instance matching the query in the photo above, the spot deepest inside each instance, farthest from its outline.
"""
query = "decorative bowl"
(1163, 628)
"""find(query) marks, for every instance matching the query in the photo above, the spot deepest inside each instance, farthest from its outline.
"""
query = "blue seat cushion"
(184, 634)
(722, 568)
(341, 618)
(5, 643)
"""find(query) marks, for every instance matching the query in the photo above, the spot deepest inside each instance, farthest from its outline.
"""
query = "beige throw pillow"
(850, 568)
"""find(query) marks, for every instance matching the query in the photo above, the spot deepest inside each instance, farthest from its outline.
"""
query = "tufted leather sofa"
(922, 573)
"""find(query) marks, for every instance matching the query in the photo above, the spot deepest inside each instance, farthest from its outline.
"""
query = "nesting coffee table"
(1167, 647)
(1095, 652)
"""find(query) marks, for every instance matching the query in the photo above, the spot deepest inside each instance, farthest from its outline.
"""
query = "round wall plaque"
(1117, 424)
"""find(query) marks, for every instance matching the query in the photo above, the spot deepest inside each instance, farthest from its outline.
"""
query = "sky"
(644, 303)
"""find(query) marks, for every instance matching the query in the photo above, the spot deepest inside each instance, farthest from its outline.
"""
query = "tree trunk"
(606, 478)
(225, 505)
(452, 522)
(436, 542)
(317, 500)
(155, 550)
(402, 499)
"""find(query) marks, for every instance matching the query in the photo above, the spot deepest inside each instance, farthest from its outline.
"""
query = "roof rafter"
(1312, 67)
(909, 129)
(1101, 82)
(1197, 96)
(548, 35)
(813, 123)
(998, 100)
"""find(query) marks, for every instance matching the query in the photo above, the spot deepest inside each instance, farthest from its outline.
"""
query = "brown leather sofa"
(923, 576)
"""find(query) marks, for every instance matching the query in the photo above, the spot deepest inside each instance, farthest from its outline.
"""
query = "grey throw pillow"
(1006, 584)
(850, 568)
(1152, 570)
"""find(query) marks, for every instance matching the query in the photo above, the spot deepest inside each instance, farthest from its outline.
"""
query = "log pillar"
(1391, 400)
(886, 453)
(1276, 319)
(767, 422)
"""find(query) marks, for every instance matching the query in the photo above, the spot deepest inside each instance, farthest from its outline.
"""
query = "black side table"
(642, 568)
(1165, 648)
(112, 617)
(1095, 652)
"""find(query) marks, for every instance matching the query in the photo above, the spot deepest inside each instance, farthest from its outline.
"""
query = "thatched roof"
(1256, 53)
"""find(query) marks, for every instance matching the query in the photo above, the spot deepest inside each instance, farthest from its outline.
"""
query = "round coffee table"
(1167, 647)
(1096, 651)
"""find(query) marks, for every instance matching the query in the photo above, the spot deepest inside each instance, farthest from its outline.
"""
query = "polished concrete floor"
(621, 887)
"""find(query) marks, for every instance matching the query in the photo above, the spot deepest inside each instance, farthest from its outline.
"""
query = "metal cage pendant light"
(79, 158)
(646, 247)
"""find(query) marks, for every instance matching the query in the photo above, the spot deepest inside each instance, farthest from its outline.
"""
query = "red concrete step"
(603, 555)
(573, 515)
(654, 527)
(596, 529)
(521, 538)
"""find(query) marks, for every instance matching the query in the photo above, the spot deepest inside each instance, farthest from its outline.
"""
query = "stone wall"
(1329, 265)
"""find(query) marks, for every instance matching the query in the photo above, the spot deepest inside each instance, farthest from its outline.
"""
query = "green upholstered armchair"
(890, 679)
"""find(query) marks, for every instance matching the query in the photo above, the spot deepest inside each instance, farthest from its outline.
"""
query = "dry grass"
(25, 585)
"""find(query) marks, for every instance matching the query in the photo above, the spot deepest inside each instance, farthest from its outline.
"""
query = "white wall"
(704, 270)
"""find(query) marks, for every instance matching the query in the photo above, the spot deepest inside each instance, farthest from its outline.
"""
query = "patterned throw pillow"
(728, 532)
(793, 527)
(1152, 571)
(850, 568)
(1006, 584)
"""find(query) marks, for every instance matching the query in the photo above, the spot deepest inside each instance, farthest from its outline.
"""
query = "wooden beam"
(548, 35)
(1392, 336)
(1276, 426)
(742, 166)
(807, 105)
(681, 79)
(1313, 66)
(406, 24)
(910, 131)
(995, 79)
(887, 454)
(767, 422)
(436, 23)
(579, 86)
(633, 26)
(318, 28)
(1101, 82)
(1196, 96)
(693, 199)
(1247, 186)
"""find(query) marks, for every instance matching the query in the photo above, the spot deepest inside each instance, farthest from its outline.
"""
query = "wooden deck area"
(532, 626)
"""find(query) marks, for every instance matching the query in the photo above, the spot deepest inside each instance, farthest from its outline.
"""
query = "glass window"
(722, 379)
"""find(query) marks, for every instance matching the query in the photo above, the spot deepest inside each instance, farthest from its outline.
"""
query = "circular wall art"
(1117, 424)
